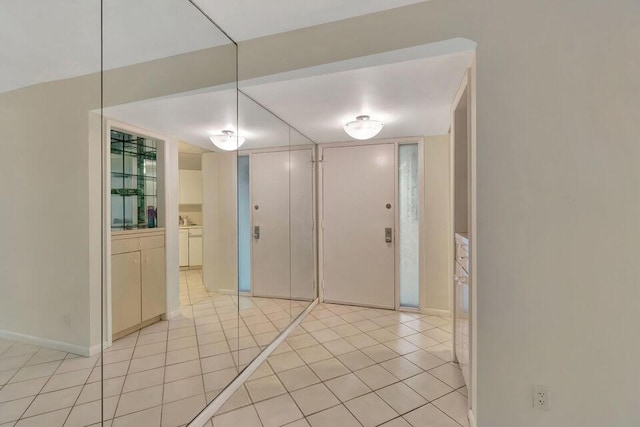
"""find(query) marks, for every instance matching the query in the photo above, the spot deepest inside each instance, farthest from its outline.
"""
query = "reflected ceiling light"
(363, 128)
(228, 141)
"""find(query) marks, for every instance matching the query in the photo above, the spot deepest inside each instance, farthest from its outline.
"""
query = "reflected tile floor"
(162, 375)
(350, 366)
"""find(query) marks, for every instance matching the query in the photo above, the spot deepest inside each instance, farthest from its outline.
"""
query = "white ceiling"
(194, 118)
(248, 19)
(412, 98)
(45, 40)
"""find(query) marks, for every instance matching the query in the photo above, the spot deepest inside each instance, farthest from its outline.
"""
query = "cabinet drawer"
(122, 246)
(152, 242)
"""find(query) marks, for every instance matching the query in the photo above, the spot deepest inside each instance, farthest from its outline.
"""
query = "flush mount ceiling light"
(363, 128)
(228, 141)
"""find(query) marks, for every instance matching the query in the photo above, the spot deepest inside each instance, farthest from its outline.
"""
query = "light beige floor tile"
(139, 400)
(245, 417)
(454, 405)
(144, 379)
(5, 376)
(89, 413)
(50, 419)
(110, 371)
(380, 353)
(13, 410)
(181, 412)
(300, 423)
(118, 355)
(265, 388)
(264, 370)
(422, 341)
(77, 364)
(429, 416)
(146, 363)
(66, 380)
(397, 422)
(424, 359)
(334, 417)
(49, 402)
(150, 349)
(237, 400)
(278, 411)
(217, 363)
(314, 399)
(219, 379)
(314, 354)
(442, 351)
(182, 370)
(376, 377)
(438, 335)
(401, 368)
(324, 335)
(298, 378)
(301, 341)
(450, 374)
(96, 391)
(339, 346)
(356, 360)
(370, 410)
(46, 355)
(401, 397)
(463, 391)
(13, 362)
(401, 346)
(347, 387)
(181, 389)
(361, 340)
(329, 368)
(284, 361)
(22, 389)
(147, 418)
(35, 371)
(428, 386)
(183, 355)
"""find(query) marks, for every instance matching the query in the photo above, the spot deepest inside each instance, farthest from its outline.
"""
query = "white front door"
(270, 211)
(358, 185)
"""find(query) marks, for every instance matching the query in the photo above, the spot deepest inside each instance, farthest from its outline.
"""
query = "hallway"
(352, 366)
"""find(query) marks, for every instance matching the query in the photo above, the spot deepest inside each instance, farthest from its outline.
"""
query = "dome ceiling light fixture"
(363, 128)
(228, 141)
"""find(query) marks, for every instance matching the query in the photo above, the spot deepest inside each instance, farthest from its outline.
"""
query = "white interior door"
(301, 211)
(270, 213)
(358, 185)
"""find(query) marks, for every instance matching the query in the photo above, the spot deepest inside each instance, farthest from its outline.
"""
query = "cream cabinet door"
(125, 291)
(183, 246)
(154, 289)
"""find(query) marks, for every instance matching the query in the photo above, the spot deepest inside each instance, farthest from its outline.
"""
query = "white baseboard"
(436, 312)
(43, 342)
(171, 315)
(472, 419)
(227, 291)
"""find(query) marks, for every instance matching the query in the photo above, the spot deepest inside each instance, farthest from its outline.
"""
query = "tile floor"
(162, 375)
(347, 366)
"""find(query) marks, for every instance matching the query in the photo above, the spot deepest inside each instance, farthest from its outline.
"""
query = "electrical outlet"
(541, 397)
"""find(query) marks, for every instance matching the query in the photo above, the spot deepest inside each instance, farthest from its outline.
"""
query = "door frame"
(421, 206)
(314, 208)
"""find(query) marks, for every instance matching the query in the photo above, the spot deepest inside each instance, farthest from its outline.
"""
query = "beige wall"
(558, 201)
(436, 256)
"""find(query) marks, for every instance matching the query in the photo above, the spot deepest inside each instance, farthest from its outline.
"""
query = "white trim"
(436, 312)
(210, 410)
(171, 315)
(51, 344)
(472, 419)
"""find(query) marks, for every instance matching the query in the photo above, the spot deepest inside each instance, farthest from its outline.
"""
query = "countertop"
(187, 227)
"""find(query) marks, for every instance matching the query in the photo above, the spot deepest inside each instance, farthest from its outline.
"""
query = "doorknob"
(388, 235)
(256, 232)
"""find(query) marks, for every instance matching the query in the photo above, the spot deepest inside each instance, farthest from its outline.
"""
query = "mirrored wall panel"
(50, 253)
(173, 340)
